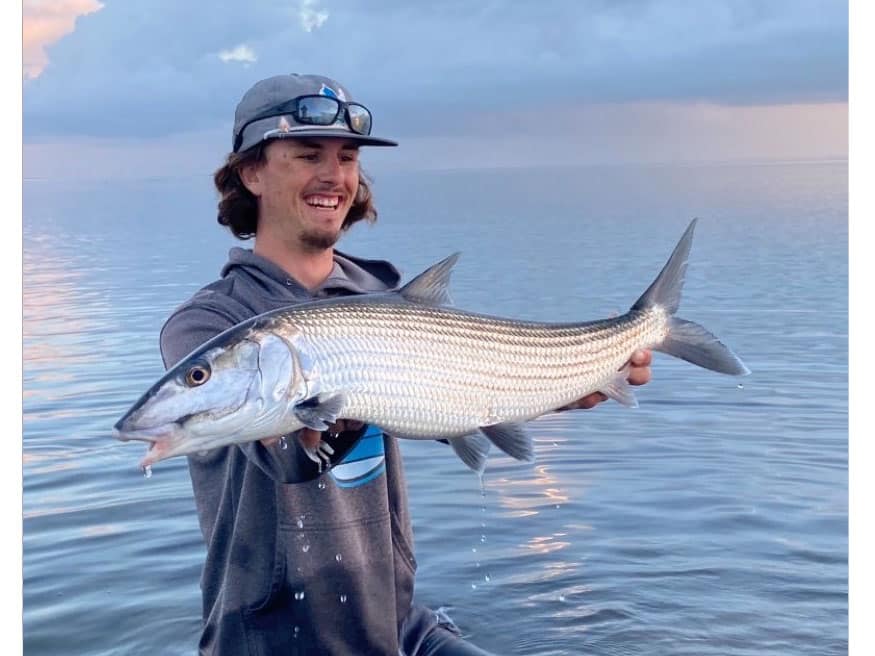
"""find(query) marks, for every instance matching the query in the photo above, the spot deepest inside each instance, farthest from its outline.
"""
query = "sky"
(133, 88)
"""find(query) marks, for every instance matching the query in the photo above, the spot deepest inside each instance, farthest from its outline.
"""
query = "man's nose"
(329, 169)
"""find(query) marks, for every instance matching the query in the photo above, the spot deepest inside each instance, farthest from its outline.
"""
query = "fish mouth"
(160, 438)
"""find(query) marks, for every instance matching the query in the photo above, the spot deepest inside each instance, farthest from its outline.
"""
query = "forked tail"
(686, 340)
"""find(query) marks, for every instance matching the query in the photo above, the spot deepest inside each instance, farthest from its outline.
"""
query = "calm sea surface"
(711, 520)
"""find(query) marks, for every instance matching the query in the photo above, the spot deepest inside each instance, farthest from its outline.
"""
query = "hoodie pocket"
(337, 594)
(273, 583)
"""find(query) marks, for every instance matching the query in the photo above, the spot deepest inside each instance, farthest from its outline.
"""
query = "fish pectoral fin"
(512, 439)
(472, 449)
(619, 389)
(320, 412)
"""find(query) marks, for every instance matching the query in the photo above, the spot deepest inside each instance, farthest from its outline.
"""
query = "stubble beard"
(318, 241)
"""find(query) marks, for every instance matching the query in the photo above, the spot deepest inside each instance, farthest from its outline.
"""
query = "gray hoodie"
(297, 562)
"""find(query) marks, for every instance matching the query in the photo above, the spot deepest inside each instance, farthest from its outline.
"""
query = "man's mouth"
(324, 202)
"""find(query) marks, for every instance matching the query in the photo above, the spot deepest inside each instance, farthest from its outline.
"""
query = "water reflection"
(652, 548)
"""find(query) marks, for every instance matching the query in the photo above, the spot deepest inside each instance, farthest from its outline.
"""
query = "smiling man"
(301, 558)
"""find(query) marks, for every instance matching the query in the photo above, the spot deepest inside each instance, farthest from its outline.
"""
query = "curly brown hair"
(238, 208)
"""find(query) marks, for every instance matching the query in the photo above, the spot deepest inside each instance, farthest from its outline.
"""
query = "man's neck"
(308, 267)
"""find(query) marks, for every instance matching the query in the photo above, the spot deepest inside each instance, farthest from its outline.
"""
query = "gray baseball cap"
(266, 112)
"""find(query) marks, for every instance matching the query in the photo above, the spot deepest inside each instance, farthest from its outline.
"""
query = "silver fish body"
(424, 372)
(412, 366)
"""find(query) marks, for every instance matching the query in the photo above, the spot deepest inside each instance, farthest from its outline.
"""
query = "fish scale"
(412, 366)
(398, 362)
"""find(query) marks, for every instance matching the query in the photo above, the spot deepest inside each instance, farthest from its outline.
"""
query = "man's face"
(305, 189)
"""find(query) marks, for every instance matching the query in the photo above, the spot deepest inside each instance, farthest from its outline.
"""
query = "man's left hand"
(639, 374)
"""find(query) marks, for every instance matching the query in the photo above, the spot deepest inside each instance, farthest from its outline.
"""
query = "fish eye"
(197, 375)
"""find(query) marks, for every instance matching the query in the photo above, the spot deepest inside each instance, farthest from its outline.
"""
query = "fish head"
(233, 391)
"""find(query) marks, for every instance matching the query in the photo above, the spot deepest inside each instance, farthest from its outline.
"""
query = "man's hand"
(310, 438)
(639, 374)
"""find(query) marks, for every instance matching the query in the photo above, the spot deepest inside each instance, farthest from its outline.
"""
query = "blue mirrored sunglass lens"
(359, 119)
(318, 111)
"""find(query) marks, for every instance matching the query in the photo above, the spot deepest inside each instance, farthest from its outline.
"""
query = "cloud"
(241, 53)
(310, 16)
(151, 68)
(43, 22)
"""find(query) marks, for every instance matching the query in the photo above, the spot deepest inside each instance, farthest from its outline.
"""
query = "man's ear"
(251, 178)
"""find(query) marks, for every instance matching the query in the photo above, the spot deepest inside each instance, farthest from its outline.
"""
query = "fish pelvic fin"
(472, 449)
(512, 439)
(431, 287)
(686, 340)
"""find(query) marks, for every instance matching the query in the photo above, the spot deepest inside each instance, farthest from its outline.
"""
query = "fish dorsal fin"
(431, 287)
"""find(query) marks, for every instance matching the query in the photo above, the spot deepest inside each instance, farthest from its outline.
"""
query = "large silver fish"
(407, 363)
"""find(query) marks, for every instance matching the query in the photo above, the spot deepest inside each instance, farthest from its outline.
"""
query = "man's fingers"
(309, 438)
(642, 358)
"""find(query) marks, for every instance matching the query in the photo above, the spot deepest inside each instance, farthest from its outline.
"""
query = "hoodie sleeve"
(191, 326)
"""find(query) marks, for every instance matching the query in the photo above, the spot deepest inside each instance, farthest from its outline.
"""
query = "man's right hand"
(310, 438)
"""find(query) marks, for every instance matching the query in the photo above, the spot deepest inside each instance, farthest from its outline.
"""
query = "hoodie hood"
(351, 275)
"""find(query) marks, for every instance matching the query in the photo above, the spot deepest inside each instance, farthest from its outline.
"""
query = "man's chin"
(319, 241)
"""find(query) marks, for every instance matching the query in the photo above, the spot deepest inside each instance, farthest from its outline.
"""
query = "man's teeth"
(331, 203)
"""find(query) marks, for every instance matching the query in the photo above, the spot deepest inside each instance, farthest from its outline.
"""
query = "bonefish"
(409, 364)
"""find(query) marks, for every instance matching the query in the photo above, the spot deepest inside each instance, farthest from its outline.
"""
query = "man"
(298, 561)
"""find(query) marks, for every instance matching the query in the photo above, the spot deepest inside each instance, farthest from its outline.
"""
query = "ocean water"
(713, 519)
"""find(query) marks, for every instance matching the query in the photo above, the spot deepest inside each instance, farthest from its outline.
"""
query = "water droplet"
(300, 570)
(478, 564)
(283, 444)
(555, 444)
(305, 548)
(343, 598)
(474, 549)
(147, 471)
(297, 631)
(321, 485)
(300, 522)
(740, 386)
(482, 538)
(299, 595)
(557, 506)
(486, 578)
(561, 597)
(473, 586)
(338, 557)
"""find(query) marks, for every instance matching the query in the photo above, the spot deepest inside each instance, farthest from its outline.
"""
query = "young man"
(300, 562)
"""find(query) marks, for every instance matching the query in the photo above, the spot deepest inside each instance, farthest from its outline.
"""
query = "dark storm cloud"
(149, 69)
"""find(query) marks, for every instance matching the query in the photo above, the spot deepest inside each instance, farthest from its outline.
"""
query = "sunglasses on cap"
(316, 110)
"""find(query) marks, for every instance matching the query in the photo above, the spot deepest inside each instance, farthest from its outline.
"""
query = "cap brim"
(321, 133)
(363, 139)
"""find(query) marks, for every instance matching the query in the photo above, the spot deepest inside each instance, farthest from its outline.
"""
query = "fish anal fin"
(619, 390)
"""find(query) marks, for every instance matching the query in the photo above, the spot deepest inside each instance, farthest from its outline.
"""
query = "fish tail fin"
(691, 342)
(686, 340)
